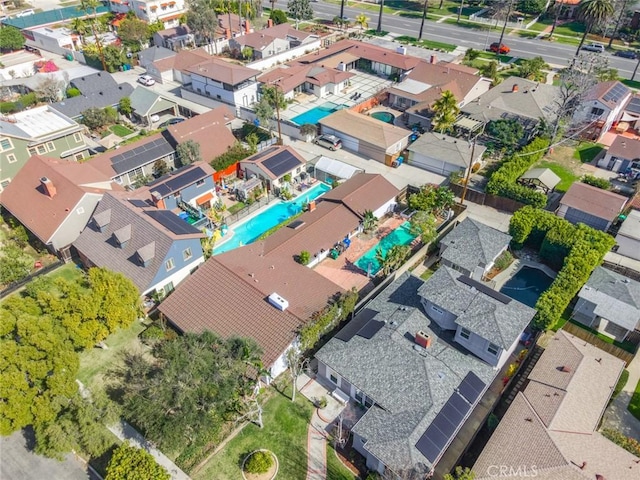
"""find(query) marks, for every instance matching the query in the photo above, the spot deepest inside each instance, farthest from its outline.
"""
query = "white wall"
(177, 277)
(211, 88)
(478, 346)
(76, 220)
(269, 62)
(21, 70)
(388, 207)
(629, 247)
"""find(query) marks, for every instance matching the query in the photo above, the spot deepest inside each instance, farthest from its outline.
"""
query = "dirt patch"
(564, 156)
(352, 459)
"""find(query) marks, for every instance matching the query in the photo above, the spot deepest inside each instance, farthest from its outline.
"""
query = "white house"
(55, 40)
(602, 106)
(628, 237)
(167, 11)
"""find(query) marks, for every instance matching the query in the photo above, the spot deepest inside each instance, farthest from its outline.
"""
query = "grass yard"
(567, 177)
(335, 469)
(587, 151)
(97, 362)
(447, 47)
(635, 84)
(284, 433)
(426, 275)
(233, 209)
(120, 130)
(69, 271)
(634, 404)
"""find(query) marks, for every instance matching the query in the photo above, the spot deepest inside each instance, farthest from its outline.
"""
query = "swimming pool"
(249, 231)
(527, 285)
(317, 113)
(400, 236)
(386, 117)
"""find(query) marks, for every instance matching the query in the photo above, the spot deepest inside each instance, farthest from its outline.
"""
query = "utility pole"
(277, 100)
(460, 11)
(504, 27)
(615, 29)
(379, 29)
(468, 175)
(424, 16)
(342, 9)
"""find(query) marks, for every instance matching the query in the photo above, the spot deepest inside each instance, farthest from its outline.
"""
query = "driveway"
(17, 462)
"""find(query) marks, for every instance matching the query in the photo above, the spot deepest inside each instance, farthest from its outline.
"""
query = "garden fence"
(236, 217)
(589, 337)
(12, 287)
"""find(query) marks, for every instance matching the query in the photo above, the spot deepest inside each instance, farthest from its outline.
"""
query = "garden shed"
(540, 178)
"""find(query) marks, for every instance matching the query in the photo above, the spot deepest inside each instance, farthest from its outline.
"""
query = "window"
(333, 378)
(169, 264)
(77, 137)
(80, 156)
(464, 333)
(41, 149)
(50, 146)
(493, 349)
(437, 310)
(199, 183)
(186, 254)
(359, 396)
(11, 158)
(5, 144)
(596, 112)
(168, 288)
(4, 184)
(32, 151)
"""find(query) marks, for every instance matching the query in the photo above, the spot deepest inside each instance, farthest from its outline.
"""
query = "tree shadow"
(29, 436)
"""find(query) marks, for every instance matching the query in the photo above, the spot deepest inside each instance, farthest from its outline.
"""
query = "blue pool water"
(249, 231)
(400, 236)
(527, 285)
(317, 113)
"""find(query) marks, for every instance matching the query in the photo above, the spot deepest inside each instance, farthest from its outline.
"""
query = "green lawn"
(567, 177)
(571, 29)
(447, 47)
(635, 84)
(587, 151)
(233, 209)
(429, 271)
(120, 130)
(634, 404)
(70, 272)
(284, 433)
(335, 469)
(97, 362)
(622, 381)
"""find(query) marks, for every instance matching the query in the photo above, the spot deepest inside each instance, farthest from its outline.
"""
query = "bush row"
(577, 249)
(25, 101)
(503, 182)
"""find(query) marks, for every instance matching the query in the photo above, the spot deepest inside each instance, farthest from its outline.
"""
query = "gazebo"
(540, 178)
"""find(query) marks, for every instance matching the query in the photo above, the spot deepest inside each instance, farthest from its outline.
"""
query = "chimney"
(423, 339)
(342, 67)
(401, 50)
(227, 32)
(49, 188)
(514, 89)
(269, 23)
(247, 26)
(434, 59)
(311, 206)
(157, 199)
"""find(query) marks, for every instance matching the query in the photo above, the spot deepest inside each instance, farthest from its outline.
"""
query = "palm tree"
(369, 221)
(79, 26)
(394, 258)
(362, 20)
(617, 26)
(593, 12)
(379, 29)
(424, 16)
(446, 111)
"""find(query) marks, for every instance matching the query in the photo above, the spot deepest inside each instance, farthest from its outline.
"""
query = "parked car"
(26, 13)
(594, 47)
(329, 141)
(627, 54)
(171, 121)
(146, 80)
(500, 48)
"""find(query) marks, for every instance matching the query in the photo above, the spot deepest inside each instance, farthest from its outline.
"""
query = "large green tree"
(393, 259)
(188, 152)
(133, 32)
(445, 111)
(132, 463)
(423, 224)
(202, 19)
(10, 39)
(300, 10)
(592, 13)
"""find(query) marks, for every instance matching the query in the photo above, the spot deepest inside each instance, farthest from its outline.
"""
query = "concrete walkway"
(617, 416)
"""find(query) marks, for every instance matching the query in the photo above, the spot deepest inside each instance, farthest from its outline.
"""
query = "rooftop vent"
(402, 50)
(278, 302)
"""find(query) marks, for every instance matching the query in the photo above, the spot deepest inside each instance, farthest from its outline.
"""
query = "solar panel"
(471, 387)
(633, 105)
(459, 407)
(263, 153)
(488, 291)
(141, 155)
(616, 93)
(370, 329)
(427, 448)
(356, 324)
(138, 203)
(178, 182)
(296, 224)
(281, 163)
(172, 222)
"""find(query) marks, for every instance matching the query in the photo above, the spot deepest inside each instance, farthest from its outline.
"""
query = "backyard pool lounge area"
(317, 113)
(250, 230)
(400, 236)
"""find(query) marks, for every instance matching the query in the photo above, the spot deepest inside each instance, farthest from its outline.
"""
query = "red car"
(500, 48)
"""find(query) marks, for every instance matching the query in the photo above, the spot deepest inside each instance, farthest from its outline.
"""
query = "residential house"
(540, 178)
(37, 131)
(472, 248)
(602, 106)
(54, 199)
(262, 280)
(98, 90)
(271, 40)
(147, 104)
(550, 430)
(422, 86)
(444, 155)
(363, 134)
(175, 39)
(273, 165)
(590, 205)
(153, 54)
(190, 188)
(171, 68)
(514, 98)
(204, 129)
(609, 303)
(129, 164)
(154, 248)
(60, 41)
(628, 237)
(418, 380)
(622, 155)
(224, 81)
(300, 78)
(168, 12)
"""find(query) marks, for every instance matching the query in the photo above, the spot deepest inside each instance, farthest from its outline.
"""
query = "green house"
(38, 131)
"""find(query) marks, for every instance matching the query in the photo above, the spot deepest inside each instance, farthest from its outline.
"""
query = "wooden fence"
(20, 283)
(589, 337)
(476, 196)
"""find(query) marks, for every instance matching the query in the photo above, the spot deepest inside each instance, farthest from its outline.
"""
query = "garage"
(348, 142)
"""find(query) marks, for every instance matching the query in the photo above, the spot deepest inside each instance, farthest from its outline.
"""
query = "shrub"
(622, 381)
(259, 462)
(234, 154)
(629, 444)
(321, 402)
(152, 334)
(504, 260)
(73, 92)
(304, 258)
(602, 183)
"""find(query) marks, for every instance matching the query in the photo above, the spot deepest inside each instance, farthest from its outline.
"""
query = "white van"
(26, 13)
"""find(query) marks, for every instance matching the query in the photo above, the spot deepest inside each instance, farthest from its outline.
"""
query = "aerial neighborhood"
(319, 240)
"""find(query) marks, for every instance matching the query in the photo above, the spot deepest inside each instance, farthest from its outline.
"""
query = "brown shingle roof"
(225, 72)
(26, 199)
(599, 92)
(624, 147)
(209, 130)
(365, 191)
(291, 77)
(595, 201)
(183, 60)
(365, 128)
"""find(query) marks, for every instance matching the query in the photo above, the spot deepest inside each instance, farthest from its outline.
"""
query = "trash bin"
(69, 57)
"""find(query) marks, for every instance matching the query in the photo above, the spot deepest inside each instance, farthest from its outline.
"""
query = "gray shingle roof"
(617, 297)
(409, 387)
(95, 83)
(500, 323)
(102, 250)
(151, 54)
(473, 244)
(73, 107)
(447, 149)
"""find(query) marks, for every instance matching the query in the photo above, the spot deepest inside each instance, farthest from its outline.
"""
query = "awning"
(467, 123)
(336, 168)
(204, 199)
(164, 5)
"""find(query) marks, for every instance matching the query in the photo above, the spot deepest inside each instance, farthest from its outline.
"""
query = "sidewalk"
(617, 416)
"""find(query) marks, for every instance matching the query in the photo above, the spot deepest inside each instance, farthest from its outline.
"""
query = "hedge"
(578, 249)
(503, 182)
(324, 320)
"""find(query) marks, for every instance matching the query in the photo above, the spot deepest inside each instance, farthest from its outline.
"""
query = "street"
(553, 53)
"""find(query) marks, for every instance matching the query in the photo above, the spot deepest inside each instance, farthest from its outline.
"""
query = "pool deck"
(343, 271)
(506, 275)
